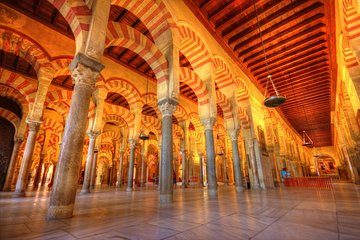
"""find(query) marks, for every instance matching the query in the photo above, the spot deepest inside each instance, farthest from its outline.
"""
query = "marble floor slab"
(109, 213)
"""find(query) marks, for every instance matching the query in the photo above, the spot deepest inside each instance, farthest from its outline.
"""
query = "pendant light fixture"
(274, 100)
(143, 136)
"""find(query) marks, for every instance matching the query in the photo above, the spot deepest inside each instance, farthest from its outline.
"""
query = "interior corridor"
(280, 213)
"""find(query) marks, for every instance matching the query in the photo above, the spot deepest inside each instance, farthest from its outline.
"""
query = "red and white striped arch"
(11, 93)
(110, 109)
(348, 55)
(122, 35)
(223, 76)
(242, 92)
(192, 79)
(126, 89)
(178, 132)
(62, 107)
(224, 104)
(10, 116)
(61, 65)
(78, 16)
(149, 121)
(112, 118)
(193, 48)
(351, 18)
(180, 113)
(23, 46)
(153, 14)
(26, 87)
(244, 118)
(58, 95)
(53, 125)
(111, 135)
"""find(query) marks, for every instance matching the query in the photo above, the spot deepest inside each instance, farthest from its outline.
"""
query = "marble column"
(119, 177)
(93, 170)
(12, 165)
(142, 181)
(63, 195)
(167, 107)
(255, 184)
(183, 173)
(46, 170)
(89, 162)
(201, 170)
(233, 134)
(39, 170)
(210, 155)
(129, 187)
(27, 158)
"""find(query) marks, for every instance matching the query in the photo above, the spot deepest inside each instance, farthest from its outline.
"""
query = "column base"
(239, 189)
(212, 192)
(129, 189)
(85, 191)
(6, 189)
(60, 212)
(166, 198)
(357, 181)
(19, 194)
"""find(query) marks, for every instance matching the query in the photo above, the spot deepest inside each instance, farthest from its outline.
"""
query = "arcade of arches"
(82, 83)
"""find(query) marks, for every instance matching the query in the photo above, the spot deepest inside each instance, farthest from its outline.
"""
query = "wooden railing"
(309, 182)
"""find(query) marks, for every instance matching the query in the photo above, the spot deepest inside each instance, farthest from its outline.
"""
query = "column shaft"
(131, 165)
(166, 183)
(27, 159)
(65, 184)
(201, 171)
(89, 163)
(12, 165)
(39, 170)
(210, 156)
(119, 178)
(183, 173)
(236, 166)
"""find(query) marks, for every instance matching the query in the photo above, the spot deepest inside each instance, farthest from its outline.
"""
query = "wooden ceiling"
(298, 38)
(299, 43)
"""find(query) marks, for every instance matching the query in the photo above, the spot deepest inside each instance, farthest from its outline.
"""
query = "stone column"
(93, 170)
(142, 182)
(89, 162)
(132, 143)
(167, 107)
(65, 184)
(119, 177)
(255, 183)
(46, 170)
(39, 170)
(27, 158)
(183, 173)
(12, 165)
(233, 134)
(201, 170)
(210, 155)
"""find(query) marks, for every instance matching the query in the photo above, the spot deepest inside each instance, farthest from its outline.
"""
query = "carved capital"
(208, 123)
(132, 143)
(167, 108)
(18, 140)
(233, 134)
(93, 134)
(84, 76)
(33, 125)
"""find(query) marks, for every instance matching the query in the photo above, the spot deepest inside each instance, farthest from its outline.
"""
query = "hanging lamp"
(274, 100)
(144, 136)
(307, 142)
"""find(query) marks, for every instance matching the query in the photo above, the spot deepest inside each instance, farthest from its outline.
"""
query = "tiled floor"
(113, 214)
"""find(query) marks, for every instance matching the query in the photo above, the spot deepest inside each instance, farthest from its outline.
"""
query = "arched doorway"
(7, 132)
(326, 165)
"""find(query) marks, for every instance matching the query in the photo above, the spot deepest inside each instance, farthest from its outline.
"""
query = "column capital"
(132, 143)
(167, 107)
(84, 76)
(233, 134)
(93, 134)
(208, 122)
(18, 139)
(34, 125)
